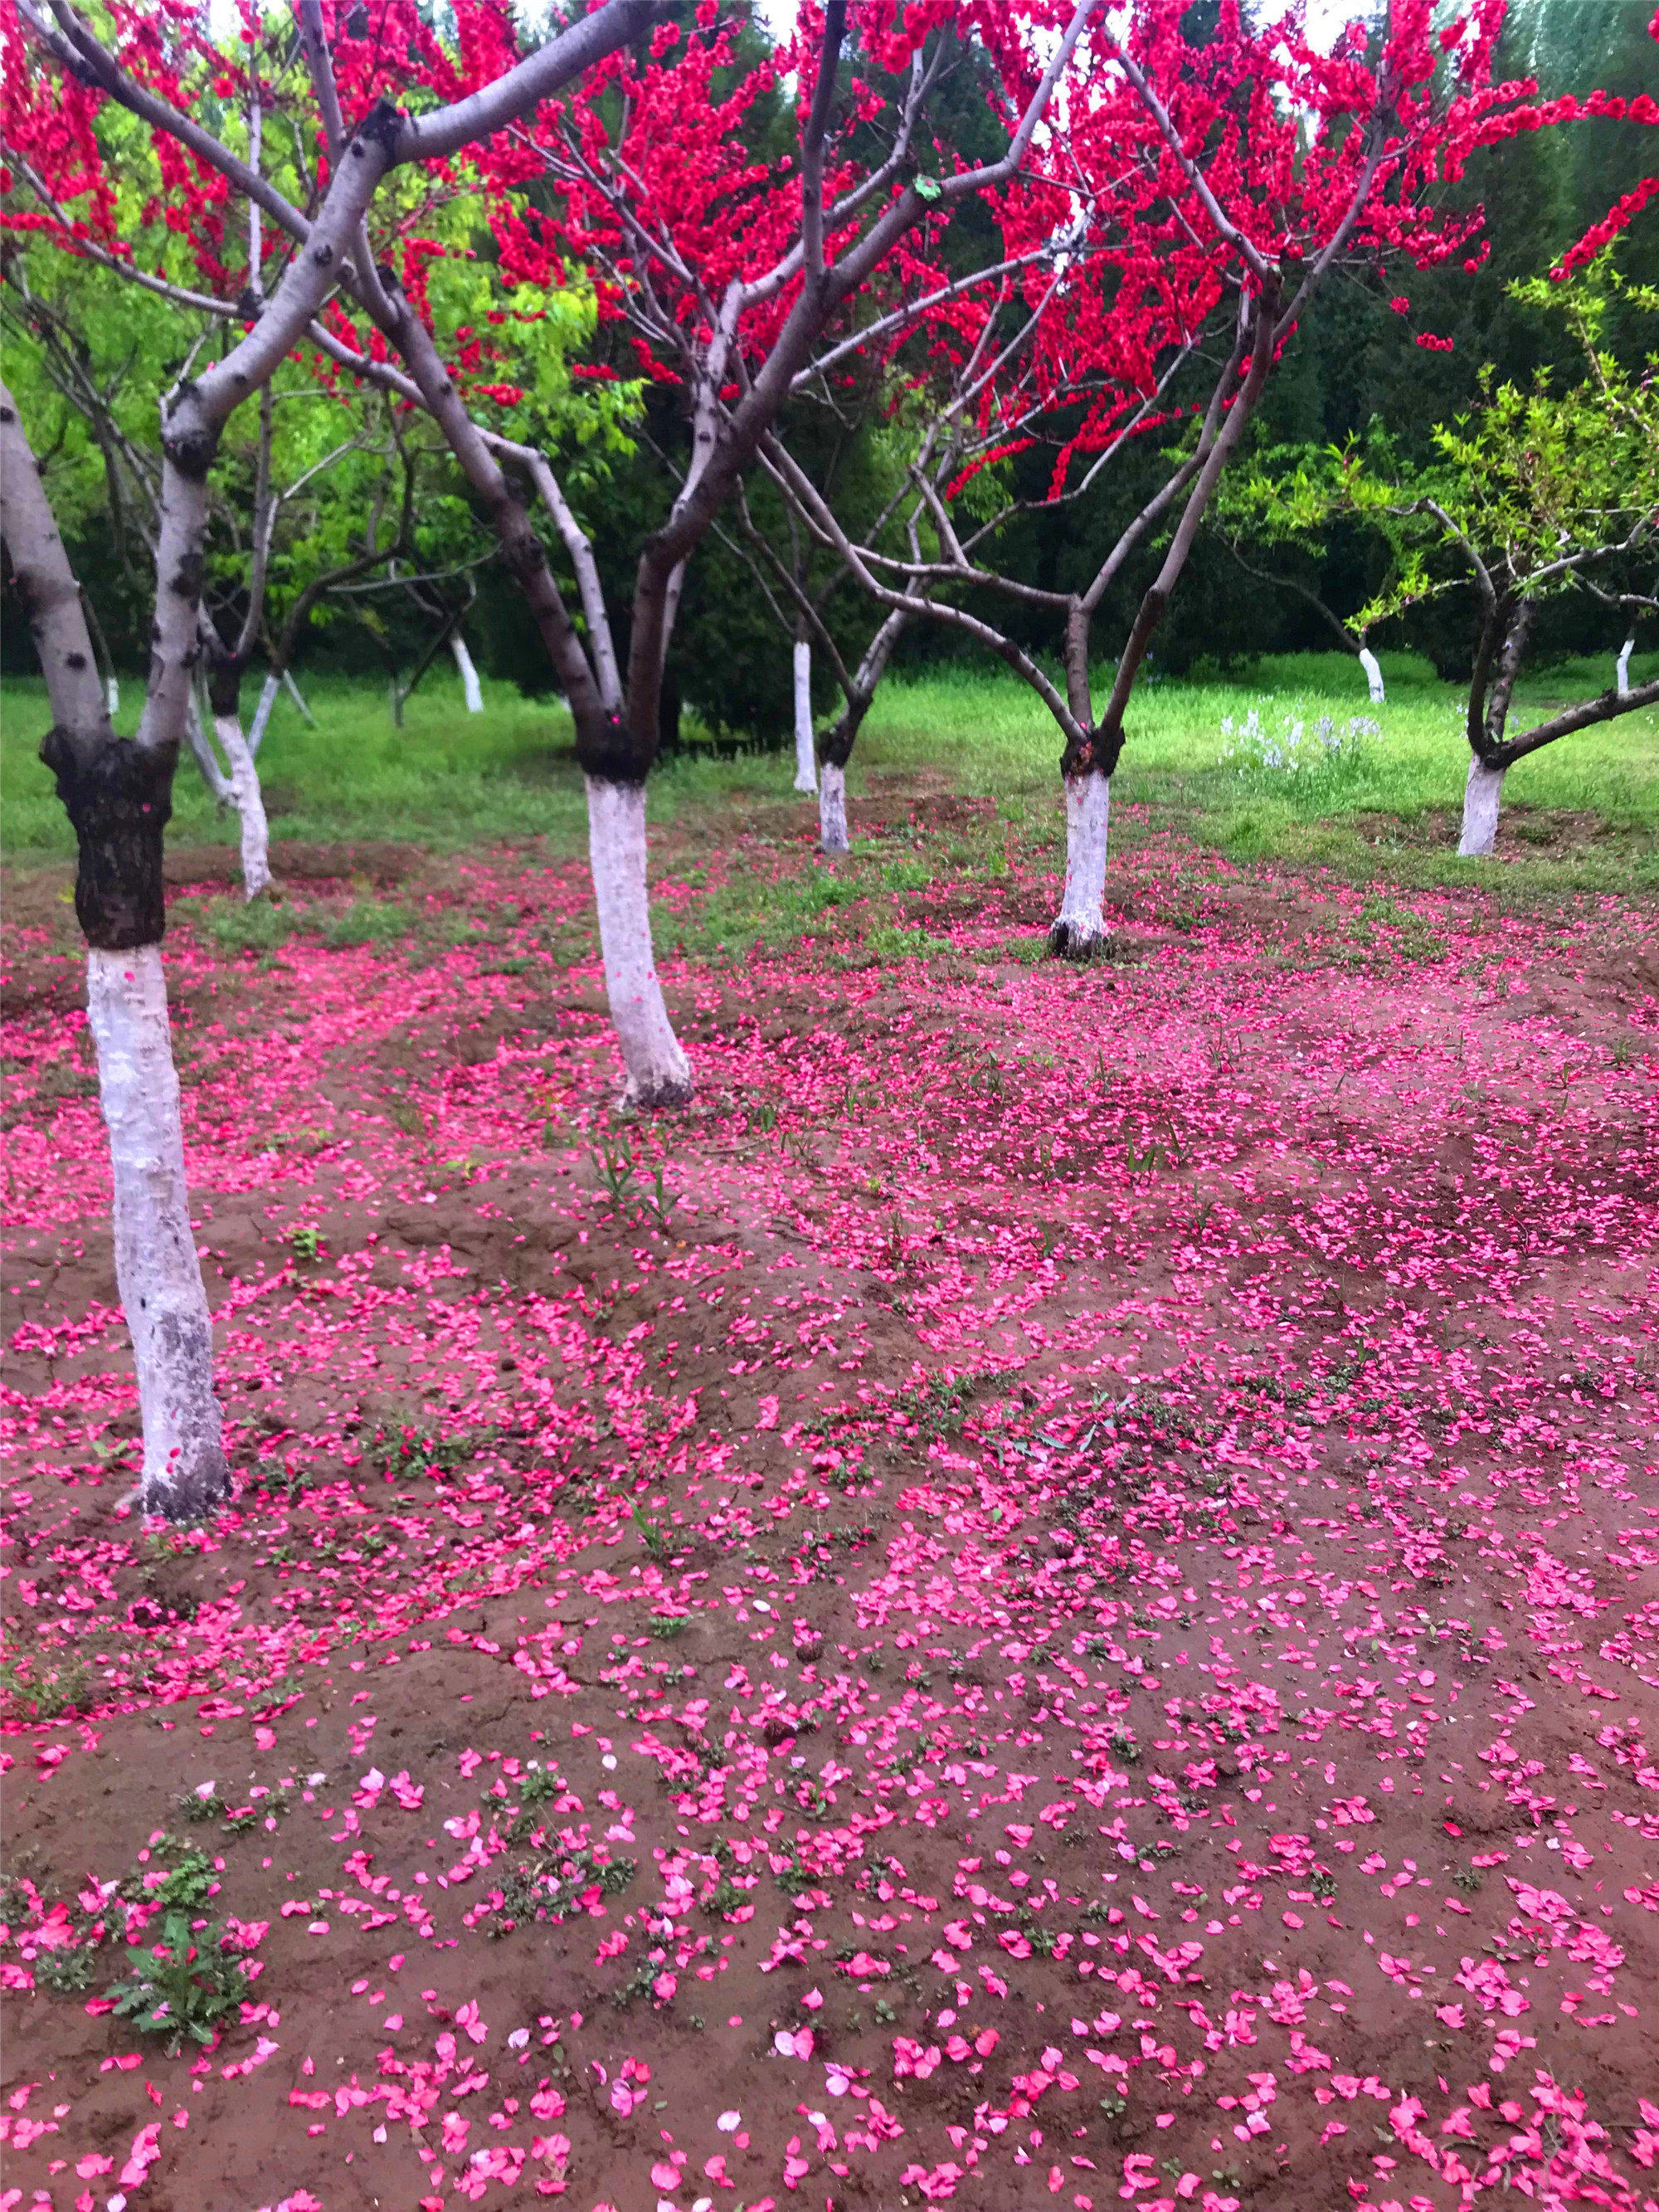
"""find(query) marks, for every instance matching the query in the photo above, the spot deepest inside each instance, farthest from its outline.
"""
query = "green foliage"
(183, 1985)
(1550, 484)
(553, 1885)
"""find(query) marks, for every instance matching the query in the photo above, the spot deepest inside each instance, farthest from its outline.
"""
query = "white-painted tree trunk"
(203, 755)
(268, 691)
(297, 696)
(1622, 666)
(658, 1072)
(112, 697)
(1368, 661)
(248, 799)
(805, 763)
(1079, 927)
(1481, 796)
(155, 1262)
(468, 673)
(832, 808)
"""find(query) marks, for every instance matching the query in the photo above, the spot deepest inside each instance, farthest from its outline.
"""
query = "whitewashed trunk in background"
(469, 674)
(156, 1263)
(112, 697)
(1080, 926)
(805, 763)
(1481, 795)
(832, 808)
(268, 691)
(1622, 665)
(203, 755)
(1368, 661)
(658, 1072)
(249, 801)
(294, 693)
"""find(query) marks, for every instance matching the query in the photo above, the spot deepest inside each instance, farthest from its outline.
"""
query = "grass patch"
(1582, 814)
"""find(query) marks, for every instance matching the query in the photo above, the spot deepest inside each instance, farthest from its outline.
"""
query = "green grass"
(1583, 814)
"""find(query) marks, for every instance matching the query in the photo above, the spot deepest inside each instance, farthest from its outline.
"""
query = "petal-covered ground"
(1053, 1598)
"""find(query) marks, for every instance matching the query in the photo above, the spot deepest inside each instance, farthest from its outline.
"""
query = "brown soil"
(925, 1627)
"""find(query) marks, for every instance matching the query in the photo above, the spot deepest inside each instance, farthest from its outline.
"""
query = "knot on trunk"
(606, 749)
(836, 744)
(1098, 751)
(118, 799)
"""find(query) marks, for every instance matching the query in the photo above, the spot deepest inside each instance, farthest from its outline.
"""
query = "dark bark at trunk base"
(1068, 942)
(118, 800)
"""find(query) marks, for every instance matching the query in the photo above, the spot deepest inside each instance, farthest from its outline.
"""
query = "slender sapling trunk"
(1368, 661)
(268, 691)
(832, 809)
(1622, 681)
(805, 763)
(469, 674)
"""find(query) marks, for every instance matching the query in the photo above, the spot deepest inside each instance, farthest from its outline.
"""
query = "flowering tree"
(1205, 189)
(733, 269)
(59, 77)
(1539, 495)
(728, 275)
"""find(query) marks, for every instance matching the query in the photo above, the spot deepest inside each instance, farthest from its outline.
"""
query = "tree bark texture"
(1080, 927)
(156, 1268)
(657, 1071)
(832, 808)
(1481, 796)
(248, 799)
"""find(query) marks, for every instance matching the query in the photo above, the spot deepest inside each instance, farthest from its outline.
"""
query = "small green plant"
(67, 1970)
(553, 1886)
(652, 1533)
(406, 1450)
(183, 1885)
(304, 1243)
(1468, 1879)
(620, 1180)
(185, 1985)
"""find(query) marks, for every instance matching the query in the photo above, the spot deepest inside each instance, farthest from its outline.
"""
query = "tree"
(1209, 183)
(1546, 492)
(735, 271)
(118, 791)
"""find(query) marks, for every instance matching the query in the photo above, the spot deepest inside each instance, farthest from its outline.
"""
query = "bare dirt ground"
(1051, 1598)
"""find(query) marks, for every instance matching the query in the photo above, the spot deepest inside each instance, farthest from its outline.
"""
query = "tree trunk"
(806, 765)
(832, 808)
(1481, 795)
(294, 693)
(155, 1262)
(1368, 661)
(112, 697)
(117, 794)
(202, 754)
(248, 799)
(1079, 928)
(657, 1070)
(1622, 668)
(268, 691)
(469, 674)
